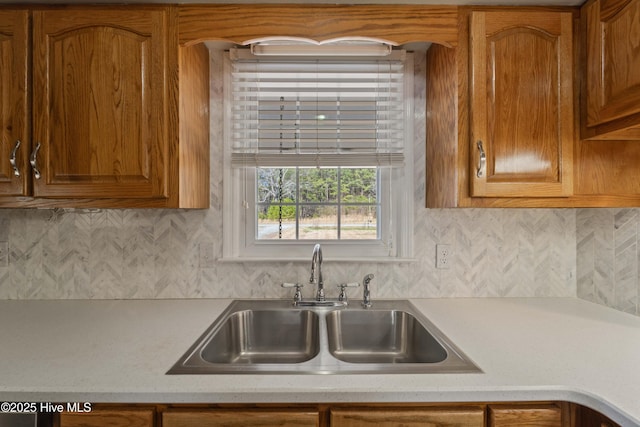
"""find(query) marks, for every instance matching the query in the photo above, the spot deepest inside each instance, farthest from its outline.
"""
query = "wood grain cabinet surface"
(241, 418)
(113, 417)
(515, 414)
(521, 87)
(394, 417)
(587, 417)
(14, 108)
(543, 415)
(112, 123)
(100, 103)
(511, 141)
(611, 105)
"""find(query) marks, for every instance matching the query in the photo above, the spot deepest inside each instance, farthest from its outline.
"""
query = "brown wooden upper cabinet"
(611, 105)
(521, 102)
(103, 111)
(100, 103)
(14, 109)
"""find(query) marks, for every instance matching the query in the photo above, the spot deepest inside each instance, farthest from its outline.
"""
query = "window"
(318, 150)
(326, 203)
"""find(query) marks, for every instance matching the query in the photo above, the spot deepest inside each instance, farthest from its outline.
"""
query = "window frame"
(395, 184)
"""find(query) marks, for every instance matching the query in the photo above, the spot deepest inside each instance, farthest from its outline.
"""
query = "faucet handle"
(297, 297)
(292, 285)
(343, 290)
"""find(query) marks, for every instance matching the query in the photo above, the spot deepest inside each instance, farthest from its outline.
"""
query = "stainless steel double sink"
(274, 337)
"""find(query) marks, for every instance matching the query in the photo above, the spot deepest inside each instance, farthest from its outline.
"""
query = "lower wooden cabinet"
(240, 418)
(526, 415)
(521, 414)
(411, 417)
(109, 417)
(586, 417)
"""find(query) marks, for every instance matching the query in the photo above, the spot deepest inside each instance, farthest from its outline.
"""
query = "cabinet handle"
(482, 161)
(33, 160)
(12, 158)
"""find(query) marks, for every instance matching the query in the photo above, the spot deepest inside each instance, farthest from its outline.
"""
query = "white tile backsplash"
(147, 254)
(608, 257)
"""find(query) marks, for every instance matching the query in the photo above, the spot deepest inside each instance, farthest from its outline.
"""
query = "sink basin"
(274, 337)
(264, 336)
(381, 336)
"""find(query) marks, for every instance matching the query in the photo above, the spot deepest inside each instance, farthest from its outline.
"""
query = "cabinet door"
(109, 417)
(14, 114)
(522, 416)
(99, 102)
(240, 418)
(441, 417)
(587, 417)
(521, 104)
(613, 60)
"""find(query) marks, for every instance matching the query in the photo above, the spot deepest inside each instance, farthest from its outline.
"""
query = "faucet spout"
(366, 296)
(316, 264)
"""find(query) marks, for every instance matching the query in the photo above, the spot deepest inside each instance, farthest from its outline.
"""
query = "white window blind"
(317, 112)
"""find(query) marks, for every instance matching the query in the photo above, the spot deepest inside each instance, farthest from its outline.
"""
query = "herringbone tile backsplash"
(155, 254)
(608, 257)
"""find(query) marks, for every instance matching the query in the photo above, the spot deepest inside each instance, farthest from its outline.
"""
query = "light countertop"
(529, 349)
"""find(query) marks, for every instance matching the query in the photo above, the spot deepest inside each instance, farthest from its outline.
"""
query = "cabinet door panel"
(519, 416)
(613, 60)
(109, 417)
(522, 106)
(14, 112)
(99, 103)
(440, 417)
(240, 418)
(587, 417)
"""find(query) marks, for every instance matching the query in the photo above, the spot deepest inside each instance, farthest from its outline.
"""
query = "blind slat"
(316, 159)
(317, 113)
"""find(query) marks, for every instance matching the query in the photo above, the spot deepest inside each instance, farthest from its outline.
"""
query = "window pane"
(274, 181)
(318, 222)
(358, 222)
(277, 221)
(319, 185)
(358, 185)
(327, 199)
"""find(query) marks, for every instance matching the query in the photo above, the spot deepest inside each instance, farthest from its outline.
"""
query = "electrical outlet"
(443, 256)
(4, 254)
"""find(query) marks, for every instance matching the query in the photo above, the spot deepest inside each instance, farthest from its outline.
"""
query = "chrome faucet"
(316, 263)
(366, 296)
